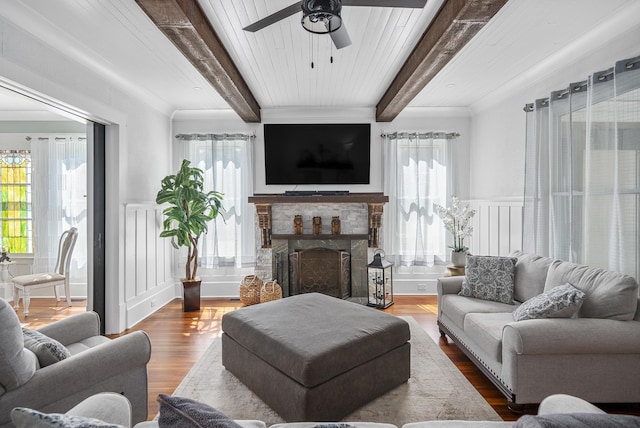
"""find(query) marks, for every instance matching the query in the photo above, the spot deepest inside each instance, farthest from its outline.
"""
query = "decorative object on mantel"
(317, 225)
(374, 202)
(269, 291)
(4, 254)
(335, 225)
(297, 224)
(457, 220)
(380, 273)
(250, 287)
(190, 209)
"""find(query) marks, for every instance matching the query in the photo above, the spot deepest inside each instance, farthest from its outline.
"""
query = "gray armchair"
(97, 364)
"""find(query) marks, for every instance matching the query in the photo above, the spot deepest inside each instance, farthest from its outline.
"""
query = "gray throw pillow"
(578, 420)
(562, 301)
(180, 412)
(489, 278)
(49, 351)
(28, 418)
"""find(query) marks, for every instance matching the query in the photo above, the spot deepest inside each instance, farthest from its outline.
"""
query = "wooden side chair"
(60, 276)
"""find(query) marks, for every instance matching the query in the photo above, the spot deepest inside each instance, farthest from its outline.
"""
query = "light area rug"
(436, 390)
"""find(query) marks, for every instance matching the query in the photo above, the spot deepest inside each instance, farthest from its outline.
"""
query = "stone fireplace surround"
(361, 223)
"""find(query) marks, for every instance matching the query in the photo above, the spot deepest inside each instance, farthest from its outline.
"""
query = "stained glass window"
(16, 223)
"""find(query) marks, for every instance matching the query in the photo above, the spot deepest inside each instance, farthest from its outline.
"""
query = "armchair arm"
(73, 329)
(572, 336)
(82, 372)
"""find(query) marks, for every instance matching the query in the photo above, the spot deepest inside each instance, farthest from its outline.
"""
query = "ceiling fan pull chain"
(311, 47)
(331, 47)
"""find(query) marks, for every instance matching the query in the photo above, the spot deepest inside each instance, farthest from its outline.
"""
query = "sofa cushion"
(562, 301)
(486, 331)
(607, 294)
(17, 364)
(530, 275)
(577, 420)
(49, 351)
(28, 418)
(456, 307)
(489, 278)
(180, 412)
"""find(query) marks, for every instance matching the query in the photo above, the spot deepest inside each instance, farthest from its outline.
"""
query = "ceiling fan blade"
(386, 3)
(341, 37)
(274, 17)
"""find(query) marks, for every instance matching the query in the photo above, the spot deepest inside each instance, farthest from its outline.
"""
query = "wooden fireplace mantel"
(374, 201)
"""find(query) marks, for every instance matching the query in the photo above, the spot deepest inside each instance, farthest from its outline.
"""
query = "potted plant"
(190, 210)
(457, 220)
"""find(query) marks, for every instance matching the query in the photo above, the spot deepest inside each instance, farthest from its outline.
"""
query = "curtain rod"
(212, 136)
(598, 77)
(446, 135)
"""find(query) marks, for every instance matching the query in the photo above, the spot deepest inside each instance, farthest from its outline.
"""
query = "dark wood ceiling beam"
(457, 22)
(187, 26)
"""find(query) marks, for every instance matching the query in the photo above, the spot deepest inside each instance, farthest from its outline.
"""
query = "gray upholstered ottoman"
(313, 357)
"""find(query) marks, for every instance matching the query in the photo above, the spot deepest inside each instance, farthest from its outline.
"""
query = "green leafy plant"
(457, 220)
(190, 209)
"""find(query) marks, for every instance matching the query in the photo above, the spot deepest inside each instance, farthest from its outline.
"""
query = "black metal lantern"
(380, 273)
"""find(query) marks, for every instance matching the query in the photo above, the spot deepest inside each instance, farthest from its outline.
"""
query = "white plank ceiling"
(117, 40)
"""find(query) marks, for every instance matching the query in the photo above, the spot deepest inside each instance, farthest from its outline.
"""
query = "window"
(226, 162)
(15, 187)
(582, 188)
(416, 178)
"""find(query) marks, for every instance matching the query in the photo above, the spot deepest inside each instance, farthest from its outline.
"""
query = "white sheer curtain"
(59, 171)
(417, 175)
(226, 160)
(582, 186)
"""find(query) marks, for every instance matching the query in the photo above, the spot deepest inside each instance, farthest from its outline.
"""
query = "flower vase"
(459, 259)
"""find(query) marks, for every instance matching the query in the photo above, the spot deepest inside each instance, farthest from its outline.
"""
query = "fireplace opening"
(320, 270)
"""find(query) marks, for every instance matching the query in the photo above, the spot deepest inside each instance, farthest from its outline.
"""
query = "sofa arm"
(73, 329)
(108, 407)
(449, 285)
(563, 403)
(571, 336)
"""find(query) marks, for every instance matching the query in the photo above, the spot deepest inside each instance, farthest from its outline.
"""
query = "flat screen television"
(317, 153)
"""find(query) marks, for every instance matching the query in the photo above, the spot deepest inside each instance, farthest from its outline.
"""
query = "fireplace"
(278, 236)
(320, 270)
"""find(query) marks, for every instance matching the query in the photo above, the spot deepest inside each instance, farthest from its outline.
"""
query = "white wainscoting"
(149, 283)
(497, 227)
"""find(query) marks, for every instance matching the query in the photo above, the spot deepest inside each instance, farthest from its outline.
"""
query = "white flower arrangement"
(457, 220)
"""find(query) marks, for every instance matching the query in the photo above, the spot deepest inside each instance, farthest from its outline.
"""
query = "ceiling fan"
(323, 16)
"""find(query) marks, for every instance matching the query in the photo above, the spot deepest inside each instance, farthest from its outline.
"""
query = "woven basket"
(250, 290)
(270, 291)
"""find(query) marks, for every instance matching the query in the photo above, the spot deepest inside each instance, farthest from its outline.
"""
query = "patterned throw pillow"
(48, 350)
(562, 301)
(180, 412)
(28, 418)
(489, 278)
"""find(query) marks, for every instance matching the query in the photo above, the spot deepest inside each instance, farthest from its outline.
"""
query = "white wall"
(138, 146)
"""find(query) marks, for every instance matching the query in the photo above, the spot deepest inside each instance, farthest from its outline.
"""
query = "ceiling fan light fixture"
(321, 16)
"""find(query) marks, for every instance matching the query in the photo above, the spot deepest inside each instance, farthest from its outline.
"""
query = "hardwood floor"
(178, 339)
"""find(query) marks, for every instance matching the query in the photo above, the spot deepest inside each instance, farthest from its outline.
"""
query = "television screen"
(317, 153)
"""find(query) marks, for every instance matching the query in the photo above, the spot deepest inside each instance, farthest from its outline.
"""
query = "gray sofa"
(560, 409)
(594, 355)
(92, 364)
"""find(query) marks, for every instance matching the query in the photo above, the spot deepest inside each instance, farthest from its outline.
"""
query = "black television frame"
(317, 154)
